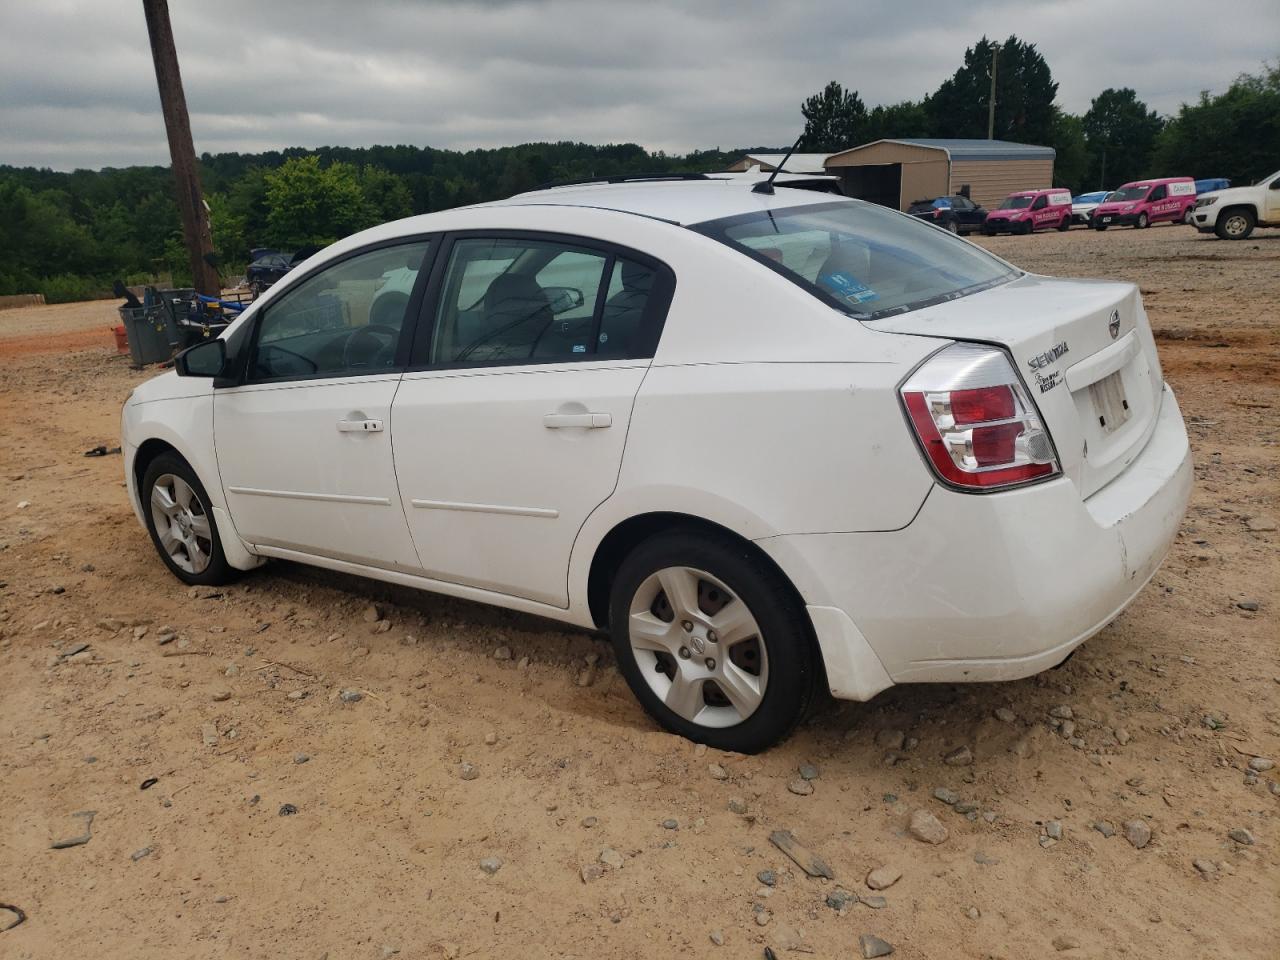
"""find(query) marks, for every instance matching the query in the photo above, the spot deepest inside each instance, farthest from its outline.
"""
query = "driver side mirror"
(207, 359)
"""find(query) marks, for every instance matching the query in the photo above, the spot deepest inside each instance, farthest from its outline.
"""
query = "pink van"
(1145, 202)
(1029, 210)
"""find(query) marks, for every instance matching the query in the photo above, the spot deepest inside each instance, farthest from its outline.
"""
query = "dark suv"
(268, 266)
(957, 214)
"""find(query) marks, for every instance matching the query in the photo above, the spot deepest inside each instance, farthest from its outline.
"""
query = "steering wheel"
(351, 358)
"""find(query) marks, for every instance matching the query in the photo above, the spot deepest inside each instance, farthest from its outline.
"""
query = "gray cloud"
(77, 87)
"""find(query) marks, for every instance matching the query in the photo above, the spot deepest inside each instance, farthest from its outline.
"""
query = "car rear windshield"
(866, 260)
(1015, 203)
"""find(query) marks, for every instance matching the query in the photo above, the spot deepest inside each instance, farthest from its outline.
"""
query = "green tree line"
(69, 235)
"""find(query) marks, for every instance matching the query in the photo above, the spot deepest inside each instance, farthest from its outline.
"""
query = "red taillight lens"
(976, 425)
(983, 404)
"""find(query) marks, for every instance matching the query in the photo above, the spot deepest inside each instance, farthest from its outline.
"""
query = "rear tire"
(743, 688)
(952, 227)
(988, 232)
(1064, 225)
(180, 521)
(1235, 224)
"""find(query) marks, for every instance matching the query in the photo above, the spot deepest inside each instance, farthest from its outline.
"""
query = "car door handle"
(359, 426)
(588, 421)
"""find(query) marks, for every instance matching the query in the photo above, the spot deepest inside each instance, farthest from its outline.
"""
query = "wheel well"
(1248, 207)
(629, 534)
(149, 450)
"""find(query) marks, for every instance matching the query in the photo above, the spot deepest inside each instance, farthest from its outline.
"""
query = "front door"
(304, 443)
(512, 429)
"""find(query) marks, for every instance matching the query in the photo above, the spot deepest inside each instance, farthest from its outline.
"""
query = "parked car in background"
(1144, 202)
(1211, 184)
(269, 266)
(1232, 214)
(764, 441)
(1029, 210)
(1082, 207)
(955, 214)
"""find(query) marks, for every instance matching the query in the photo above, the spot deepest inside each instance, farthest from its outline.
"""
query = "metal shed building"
(896, 172)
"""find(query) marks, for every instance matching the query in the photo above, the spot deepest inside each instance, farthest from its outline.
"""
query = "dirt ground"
(229, 701)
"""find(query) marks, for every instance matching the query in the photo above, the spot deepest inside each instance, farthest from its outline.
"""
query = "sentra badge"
(1041, 360)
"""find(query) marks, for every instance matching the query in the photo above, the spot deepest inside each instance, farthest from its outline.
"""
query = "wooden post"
(991, 100)
(195, 218)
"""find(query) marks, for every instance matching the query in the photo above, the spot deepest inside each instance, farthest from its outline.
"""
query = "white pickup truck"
(1233, 213)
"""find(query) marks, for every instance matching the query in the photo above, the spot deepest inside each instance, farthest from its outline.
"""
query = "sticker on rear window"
(846, 287)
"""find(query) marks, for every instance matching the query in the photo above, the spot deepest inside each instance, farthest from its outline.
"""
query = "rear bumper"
(1000, 586)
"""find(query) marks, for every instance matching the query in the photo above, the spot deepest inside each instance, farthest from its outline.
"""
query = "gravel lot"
(288, 819)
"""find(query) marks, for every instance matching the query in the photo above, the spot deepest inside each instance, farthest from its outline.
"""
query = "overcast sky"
(77, 87)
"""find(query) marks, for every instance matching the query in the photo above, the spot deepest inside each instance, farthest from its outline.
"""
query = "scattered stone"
(890, 739)
(670, 824)
(800, 787)
(382, 626)
(768, 877)
(949, 797)
(491, 865)
(1005, 715)
(1138, 833)
(297, 695)
(589, 822)
(1250, 606)
(351, 696)
(209, 735)
(1105, 828)
(882, 878)
(1122, 736)
(1062, 712)
(959, 757)
(965, 808)
(1053, 829)
(611, 858)
(590, 872)
(502, 653)
(926, 828)
(717, 772)
(981, 858)
(287, 810)
(1241, 835)
(87, 818)
(1258, 524)
(468, 771)
(973, 913)
(300, 758)
(808, 771)
(222, 696)
(841, 899)
(717, 937)
(373, 613)
(223, 898)
(803, 857)
(872, 946)
(233, 670)
(875, 903)
(1065, 942)
(1261, 764)
(737, 805)
(139, 854)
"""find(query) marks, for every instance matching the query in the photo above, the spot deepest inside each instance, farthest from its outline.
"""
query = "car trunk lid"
(1085, 351)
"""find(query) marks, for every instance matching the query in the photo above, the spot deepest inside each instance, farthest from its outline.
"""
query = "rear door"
(303, 444)
(509, 427)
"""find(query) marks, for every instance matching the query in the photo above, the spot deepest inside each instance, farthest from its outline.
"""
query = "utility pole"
(991, 100)
(195, 218)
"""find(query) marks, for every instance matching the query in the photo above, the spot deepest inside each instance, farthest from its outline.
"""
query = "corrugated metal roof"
(799, 162)
(962, 149)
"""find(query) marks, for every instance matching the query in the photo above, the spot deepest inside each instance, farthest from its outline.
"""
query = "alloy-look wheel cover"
(182, 523)
(708, 662)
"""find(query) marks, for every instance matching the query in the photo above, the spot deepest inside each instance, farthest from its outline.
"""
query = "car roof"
(681, 202)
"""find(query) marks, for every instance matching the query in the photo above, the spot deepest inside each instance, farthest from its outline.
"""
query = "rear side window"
(518, 301)
(861, 258)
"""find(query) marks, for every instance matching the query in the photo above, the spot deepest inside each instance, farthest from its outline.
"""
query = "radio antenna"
(766, 186)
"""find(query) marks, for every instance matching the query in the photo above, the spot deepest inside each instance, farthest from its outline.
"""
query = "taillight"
(974, 421)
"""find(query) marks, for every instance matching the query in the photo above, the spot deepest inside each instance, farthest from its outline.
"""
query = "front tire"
(1235, 224)
(1142, 222)
(181, 522)
(712, 640)
(1099, 225)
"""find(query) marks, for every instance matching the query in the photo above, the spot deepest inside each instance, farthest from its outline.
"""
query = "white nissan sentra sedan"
(767, 441)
